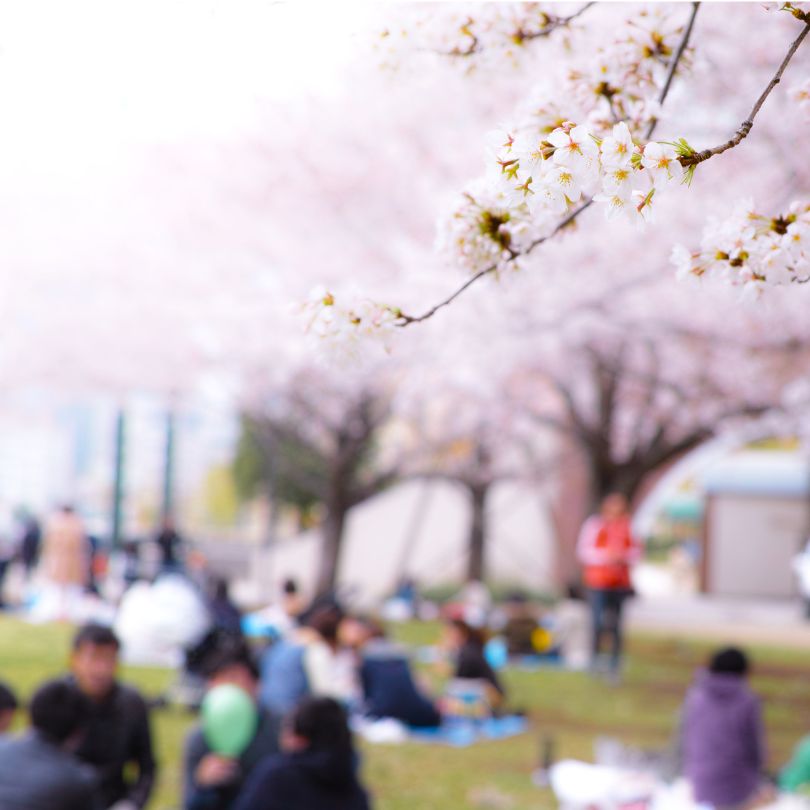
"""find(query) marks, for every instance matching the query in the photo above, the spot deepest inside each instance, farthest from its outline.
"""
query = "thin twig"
(674, 66)
(407, 320)
(552, 24)
(745, 127)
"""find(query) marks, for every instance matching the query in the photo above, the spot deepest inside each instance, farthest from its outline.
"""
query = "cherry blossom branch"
(699, 157)
(552, 24)
(404, 319)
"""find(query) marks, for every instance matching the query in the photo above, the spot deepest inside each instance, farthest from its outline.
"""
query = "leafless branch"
(674, 66)
(745, 127)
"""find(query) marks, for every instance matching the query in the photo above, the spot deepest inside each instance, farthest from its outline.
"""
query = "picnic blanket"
(457, 733)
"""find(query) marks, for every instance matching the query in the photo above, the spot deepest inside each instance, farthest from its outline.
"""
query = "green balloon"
(229, 720)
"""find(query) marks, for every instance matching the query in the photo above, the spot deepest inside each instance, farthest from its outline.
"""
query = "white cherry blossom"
(661, 160)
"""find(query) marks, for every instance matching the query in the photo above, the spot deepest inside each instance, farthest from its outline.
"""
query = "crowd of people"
(89, 745)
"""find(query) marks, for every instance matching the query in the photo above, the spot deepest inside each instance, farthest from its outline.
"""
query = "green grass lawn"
(571, 708)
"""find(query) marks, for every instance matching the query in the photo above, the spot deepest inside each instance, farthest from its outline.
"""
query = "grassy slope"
(571, 707)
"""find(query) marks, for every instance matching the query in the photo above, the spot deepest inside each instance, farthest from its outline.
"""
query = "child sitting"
(722, 737)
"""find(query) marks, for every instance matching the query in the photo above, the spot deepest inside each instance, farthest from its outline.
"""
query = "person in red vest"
(607, 549)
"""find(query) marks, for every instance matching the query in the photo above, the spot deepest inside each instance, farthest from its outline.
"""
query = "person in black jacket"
(38, 770)
(211, 781)
(117, 735)
(318, 770)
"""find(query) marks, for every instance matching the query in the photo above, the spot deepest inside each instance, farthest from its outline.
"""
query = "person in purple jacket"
(722, 735)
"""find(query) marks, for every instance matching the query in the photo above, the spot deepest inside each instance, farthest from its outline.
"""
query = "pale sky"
(91, 91)
(84, 82)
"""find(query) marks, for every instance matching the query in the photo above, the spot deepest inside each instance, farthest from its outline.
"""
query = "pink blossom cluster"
(480, 35)
(537, 179)
(752, 250)
(349, 328)
(581, 137)
(486, 229)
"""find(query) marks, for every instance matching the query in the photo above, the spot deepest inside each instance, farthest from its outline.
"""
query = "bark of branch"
(676, 60)
(745, 127)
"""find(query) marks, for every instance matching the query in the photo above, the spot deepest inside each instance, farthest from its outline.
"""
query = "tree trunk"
(607, 479)
(476, 563)
(330, 550)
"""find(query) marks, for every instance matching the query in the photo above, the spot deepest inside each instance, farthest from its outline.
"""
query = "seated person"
(39, 770)
(211, 781)
(118, 740)
(520, 625)
(318, 769)
(465, 645)
(572, 628)
(8, 708)
(722, 737)
(309, 662)
(385, 676)
(795, 776)
(224, 613)
(291, 602)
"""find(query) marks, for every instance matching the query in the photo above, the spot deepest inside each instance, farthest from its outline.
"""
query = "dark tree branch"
(674, 66)
(745, 127)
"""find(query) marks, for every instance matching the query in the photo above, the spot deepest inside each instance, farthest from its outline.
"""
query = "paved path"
(723, 619)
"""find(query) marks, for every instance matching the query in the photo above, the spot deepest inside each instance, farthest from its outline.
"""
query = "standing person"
(30, 541)
(118, 738)
(722, 739)
(65, 557)
(607, 549)
(318, 769)
(38, 770)
(170, 544)
(7, 554)
(211, 781)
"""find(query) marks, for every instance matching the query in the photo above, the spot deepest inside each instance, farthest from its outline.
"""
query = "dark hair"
(8, 700)
(58, 710)
(323, 722)
(729, 661)
(471, 634)
(290, 586)
(230, 651)
(98, 635)
(326, 619)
